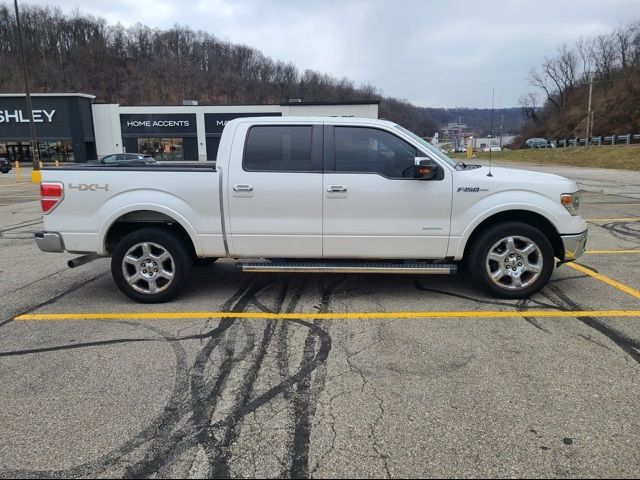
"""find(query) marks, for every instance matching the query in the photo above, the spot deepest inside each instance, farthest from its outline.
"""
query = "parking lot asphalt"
(274, 375)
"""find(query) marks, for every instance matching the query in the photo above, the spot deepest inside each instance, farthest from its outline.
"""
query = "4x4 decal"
(89, 187)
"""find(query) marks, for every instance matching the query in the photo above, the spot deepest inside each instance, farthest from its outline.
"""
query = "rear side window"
(284, 148)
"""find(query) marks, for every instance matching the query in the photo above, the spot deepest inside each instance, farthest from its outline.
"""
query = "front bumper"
(574, 246)
(50, 242)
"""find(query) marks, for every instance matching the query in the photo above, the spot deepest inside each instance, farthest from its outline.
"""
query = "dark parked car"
(5, 165)
(119, 158)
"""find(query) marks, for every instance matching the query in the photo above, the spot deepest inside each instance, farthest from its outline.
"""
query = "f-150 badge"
(472, 189)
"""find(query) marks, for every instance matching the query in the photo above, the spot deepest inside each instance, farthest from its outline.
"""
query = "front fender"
(466, 220)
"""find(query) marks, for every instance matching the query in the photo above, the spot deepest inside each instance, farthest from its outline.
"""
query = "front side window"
(369, 150)
(274, 148)
(428, 147)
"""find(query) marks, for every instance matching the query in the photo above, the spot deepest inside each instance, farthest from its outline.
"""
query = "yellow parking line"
(327, 316)
(628, 219)
(607, 252)
(598, 276)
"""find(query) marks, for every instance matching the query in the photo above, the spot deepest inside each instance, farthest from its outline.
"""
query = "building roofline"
(349, 102)
(85, 95)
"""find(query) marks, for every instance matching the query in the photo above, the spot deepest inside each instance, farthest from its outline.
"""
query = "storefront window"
(52, 151)
(61, 151)
(162, 149)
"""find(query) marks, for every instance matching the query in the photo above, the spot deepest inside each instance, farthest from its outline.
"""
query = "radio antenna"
(493, 94)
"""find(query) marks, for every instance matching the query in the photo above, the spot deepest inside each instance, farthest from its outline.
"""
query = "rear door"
(373, 207)
(274, 190)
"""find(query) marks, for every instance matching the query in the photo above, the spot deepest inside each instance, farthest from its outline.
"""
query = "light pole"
(589, 116)
(35, 173)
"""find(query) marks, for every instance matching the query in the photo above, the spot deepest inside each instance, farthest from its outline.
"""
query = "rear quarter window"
(278, 148)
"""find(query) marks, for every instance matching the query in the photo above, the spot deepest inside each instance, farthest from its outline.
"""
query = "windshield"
(427, 146)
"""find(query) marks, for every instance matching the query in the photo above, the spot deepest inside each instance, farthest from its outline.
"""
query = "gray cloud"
(432, 53)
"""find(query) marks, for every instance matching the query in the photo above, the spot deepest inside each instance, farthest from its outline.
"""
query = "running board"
(349, 267)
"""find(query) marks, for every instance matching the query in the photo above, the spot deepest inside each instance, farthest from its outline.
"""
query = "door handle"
(243, 188)
(336, 188)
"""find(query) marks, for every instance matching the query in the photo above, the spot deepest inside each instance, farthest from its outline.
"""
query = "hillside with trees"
(613, 62)
(140, 65)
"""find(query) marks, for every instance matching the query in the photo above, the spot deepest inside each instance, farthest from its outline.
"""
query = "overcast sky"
(434, 53)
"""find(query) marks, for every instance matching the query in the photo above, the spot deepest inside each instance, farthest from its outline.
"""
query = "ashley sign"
(19, 116)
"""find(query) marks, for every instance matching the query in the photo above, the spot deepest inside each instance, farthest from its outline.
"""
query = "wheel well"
(531, 218)
(132, 221)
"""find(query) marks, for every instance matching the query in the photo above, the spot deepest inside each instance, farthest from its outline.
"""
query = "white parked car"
(314, 194)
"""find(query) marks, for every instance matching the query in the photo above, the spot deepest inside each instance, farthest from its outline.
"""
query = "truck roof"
(310, 119)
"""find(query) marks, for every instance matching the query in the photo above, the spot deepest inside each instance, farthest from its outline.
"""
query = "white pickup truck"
(314, 194)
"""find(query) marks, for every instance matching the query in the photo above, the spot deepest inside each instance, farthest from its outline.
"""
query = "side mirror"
(425, 168)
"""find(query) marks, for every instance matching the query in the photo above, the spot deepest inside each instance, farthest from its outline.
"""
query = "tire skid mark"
(629, 345)
(72, 346)
(158, 428)
(72, 289)
(282, 361)
(521, 306)
(273, 392)
(565, 279)
(47, 277)
(28, 223)
(419, 286)
(168, 447)
(117, 341)
(305, 401)
(217, 446)
(157, 424)
(220, 455)
(627, 231)
(187, 418)
(590, 339)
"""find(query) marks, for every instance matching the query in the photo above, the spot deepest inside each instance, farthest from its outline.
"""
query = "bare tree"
(529, 105)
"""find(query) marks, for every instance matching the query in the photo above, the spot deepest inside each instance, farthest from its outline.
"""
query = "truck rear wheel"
(151, 265)
(511, 260)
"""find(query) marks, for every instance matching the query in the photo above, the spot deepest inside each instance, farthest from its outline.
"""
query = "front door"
(274, 191)
(373, 207)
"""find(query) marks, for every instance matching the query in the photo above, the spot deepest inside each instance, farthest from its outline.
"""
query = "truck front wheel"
(151, 265)
(511, 260)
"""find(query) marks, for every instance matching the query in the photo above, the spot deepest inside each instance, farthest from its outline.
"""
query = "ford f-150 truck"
(315, 194)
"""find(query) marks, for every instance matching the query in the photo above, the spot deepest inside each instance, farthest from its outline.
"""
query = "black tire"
(5, 170)
(522, 274)
(167, 276)
(203, 262)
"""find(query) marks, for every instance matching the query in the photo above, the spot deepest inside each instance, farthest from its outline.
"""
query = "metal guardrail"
(626, 139)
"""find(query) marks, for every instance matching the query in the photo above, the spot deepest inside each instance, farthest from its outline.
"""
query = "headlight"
(571, 202)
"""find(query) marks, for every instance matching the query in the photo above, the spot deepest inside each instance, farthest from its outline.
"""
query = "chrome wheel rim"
(514, 262)
(148, 268)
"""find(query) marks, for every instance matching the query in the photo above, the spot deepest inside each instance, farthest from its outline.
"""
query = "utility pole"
(35, 174)
(586, 140)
